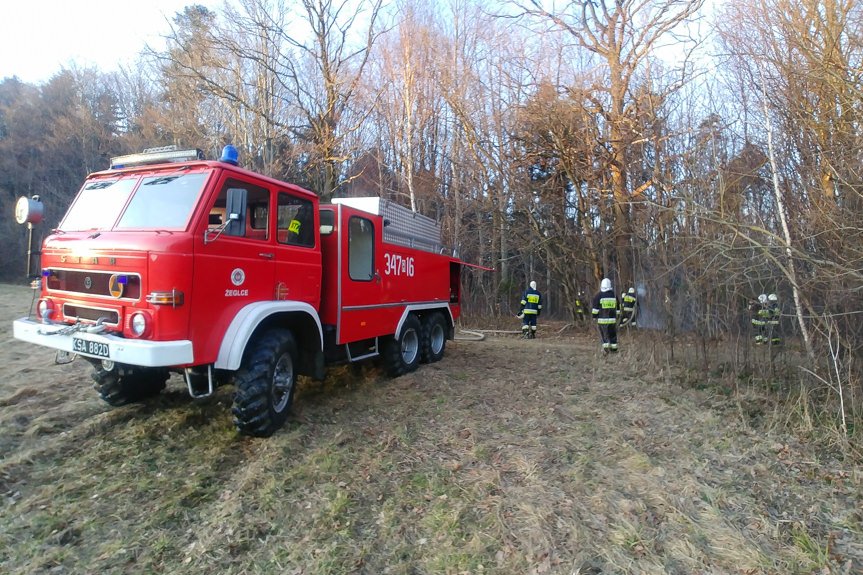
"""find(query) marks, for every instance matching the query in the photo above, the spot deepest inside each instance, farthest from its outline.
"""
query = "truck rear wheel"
(401, 354)
(127, 384)
(264, 385)
(434, 338)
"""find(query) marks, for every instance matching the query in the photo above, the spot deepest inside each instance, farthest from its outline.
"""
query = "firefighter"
(579, 307)
(775, 312)
(300, 227)
(629, 307)
(605, 310)
(758, 314)
(531, 306)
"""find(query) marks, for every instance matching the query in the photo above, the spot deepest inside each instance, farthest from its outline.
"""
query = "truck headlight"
(139, 324)
(45, 309)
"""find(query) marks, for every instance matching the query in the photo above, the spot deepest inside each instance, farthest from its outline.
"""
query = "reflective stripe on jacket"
(531, 303)
(755, 314)
(606, 308)
(775, 313)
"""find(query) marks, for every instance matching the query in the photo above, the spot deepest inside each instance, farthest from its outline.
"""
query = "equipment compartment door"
(361, 287)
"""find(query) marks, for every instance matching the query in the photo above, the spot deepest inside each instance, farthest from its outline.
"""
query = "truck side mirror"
(235, 212)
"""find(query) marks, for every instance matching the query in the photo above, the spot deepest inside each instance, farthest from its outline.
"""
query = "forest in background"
(705, 154)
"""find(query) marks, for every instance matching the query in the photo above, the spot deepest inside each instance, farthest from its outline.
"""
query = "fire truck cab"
(167, 262)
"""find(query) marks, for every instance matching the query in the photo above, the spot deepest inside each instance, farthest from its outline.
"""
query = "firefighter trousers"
(608, 335)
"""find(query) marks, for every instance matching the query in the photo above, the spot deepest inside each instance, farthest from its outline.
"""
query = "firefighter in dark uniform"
(605, 310)
(773, 321)
(531, 306)
(629, 303)
(759, 314)
(579, 307)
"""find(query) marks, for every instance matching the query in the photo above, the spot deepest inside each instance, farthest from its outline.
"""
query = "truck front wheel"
(434, 338)
(264, 385)
(401, 354)
(127, 384)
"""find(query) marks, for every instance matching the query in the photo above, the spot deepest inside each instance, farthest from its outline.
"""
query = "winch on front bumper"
(78, 338)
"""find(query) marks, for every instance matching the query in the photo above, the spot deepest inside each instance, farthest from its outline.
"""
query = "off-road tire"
(265, 383)
(401, 354)
(433, 338)
(127, 384)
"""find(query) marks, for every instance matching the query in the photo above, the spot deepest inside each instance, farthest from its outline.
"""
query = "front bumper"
(138, 352)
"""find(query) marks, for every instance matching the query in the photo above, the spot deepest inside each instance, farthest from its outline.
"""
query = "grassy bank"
(508, 457)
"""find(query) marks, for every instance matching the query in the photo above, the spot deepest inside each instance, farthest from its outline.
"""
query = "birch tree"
(296, 67)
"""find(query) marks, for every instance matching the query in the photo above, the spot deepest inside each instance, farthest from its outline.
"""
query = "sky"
(39, 38)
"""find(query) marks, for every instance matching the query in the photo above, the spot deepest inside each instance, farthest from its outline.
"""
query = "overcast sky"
(40, 37)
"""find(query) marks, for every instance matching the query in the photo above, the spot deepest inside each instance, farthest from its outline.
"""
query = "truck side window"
(257, 211)
(361, 249)
(296, 221)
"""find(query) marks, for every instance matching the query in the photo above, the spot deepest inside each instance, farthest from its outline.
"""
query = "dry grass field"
(507, 457)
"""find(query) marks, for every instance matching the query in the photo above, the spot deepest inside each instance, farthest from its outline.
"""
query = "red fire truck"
(167, 263)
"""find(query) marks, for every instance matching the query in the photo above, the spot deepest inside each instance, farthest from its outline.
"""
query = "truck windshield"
(163, 202)
(98, 205)
(159, 202)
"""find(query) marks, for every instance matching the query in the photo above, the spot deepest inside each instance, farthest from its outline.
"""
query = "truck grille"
(91, 283)
(77, 312)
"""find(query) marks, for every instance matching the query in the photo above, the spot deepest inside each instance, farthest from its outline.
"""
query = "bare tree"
(802, 59)
(410, 102)
(296, 67)
(189, 107)
(51, 137)
(623, 34)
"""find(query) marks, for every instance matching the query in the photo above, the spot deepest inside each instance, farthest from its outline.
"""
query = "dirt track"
(508, 456)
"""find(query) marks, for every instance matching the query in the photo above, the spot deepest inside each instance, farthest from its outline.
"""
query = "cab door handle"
(265, 255)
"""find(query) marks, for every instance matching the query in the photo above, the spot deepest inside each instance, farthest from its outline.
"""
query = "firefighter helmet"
(605, 285)
(772, 297)
(532, 285)
(762, 298)
(632, 290)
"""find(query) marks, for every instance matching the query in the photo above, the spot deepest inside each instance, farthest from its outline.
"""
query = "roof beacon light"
(163, 155)
(229, 155)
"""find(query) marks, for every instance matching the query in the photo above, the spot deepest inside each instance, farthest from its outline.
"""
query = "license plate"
(96, 348)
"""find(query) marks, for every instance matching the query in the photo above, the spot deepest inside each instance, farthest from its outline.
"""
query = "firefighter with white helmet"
(630, 300)
(531, 306)
(605, 310)
(775, 312)
(759, 314)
